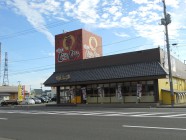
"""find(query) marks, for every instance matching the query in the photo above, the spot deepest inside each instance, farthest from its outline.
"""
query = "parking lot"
(28, 101)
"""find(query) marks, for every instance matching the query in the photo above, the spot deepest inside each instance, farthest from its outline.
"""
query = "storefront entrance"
(65, 96)
(126, 92)
(72, 95)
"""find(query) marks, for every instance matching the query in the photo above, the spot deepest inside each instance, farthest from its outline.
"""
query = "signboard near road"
(21, 92)
(20, 97)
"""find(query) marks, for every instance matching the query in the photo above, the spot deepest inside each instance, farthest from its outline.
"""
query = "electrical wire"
(27, 72)
(38, 58)
(117, 42)
(32, 30)
(43, 68)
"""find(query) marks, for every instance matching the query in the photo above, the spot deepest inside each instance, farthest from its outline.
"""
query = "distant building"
(37, 92)
(8, 92)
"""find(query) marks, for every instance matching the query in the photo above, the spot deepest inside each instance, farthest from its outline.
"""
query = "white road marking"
(176, 115)
(149, 127)
(3, 118)
(101, 113)
(150, 114)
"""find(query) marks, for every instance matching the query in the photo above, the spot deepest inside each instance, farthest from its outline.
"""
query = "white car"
(28, 101)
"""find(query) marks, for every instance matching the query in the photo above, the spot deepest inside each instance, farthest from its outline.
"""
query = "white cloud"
(143, 16)
(104, 3)
(172, 3)
(113, 9)
(84, 10)
(126, 22)
(140, 1)
(105, 15)
(47, 7)
(33, 16)
(124, 35)
(68, 6)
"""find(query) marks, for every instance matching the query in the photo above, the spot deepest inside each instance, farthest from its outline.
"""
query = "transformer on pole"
(5, 76)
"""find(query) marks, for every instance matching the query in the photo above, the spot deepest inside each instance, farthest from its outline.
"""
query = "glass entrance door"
(65, 96)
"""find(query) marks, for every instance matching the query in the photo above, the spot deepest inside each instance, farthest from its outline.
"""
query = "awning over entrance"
(138, 70)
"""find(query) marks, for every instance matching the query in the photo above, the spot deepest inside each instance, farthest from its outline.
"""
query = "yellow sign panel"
(20, 97)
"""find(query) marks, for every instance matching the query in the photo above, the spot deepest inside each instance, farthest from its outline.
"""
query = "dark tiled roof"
(148, 69)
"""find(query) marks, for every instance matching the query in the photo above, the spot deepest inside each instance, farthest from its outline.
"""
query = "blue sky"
(28, 27)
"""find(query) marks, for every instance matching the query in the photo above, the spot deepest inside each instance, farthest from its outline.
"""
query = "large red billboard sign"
(76, 45)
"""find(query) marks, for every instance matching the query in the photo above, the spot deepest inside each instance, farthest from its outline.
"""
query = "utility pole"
(165, 21)
(0, 62)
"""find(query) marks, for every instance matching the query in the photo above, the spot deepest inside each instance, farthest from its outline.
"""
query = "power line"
(128, 48)
(117, 42)
(122, 41)
(32, 30)
(37, 67)
(26, 72)
(42, 68)
(30, 59)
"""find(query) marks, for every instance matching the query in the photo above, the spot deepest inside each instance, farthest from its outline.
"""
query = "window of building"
(67, 87)
(150, 82)
(120, 88)
(106, 90)
(95, 90)
(112, 89)
(126, 89)
(150, 88)
(90, 91)
(78, 91)
(144, 89)
(133, 88)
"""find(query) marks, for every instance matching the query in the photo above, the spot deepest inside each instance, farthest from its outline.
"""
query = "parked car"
(9, 102)
(54, 99)
(47, 98)
(28, 101)
(37, 100)
(43, 100)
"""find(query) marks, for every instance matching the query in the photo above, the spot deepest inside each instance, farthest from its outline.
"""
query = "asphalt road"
(92, 124)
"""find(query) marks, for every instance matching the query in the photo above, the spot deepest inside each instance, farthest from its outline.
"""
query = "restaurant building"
(82, 75)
